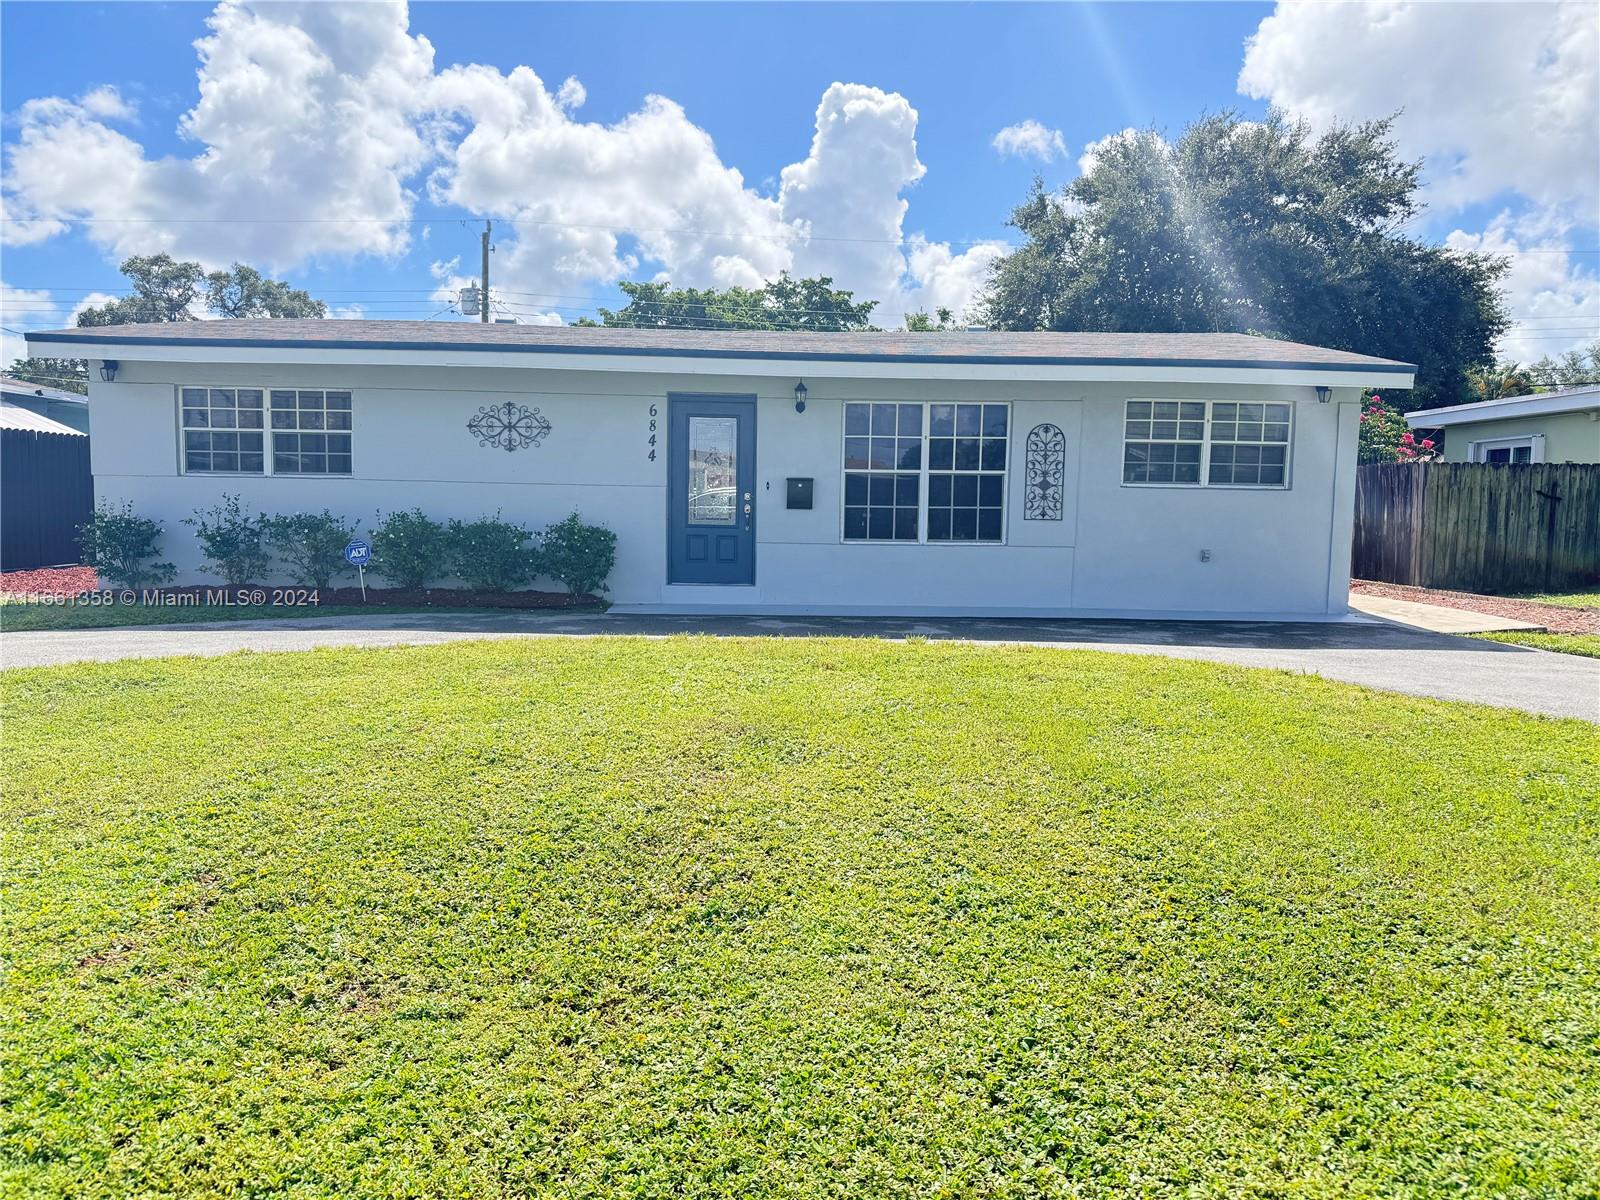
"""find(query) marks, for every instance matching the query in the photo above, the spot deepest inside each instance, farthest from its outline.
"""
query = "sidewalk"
(1436, 618)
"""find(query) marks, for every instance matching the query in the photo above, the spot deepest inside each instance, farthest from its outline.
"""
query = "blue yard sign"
(358, 554)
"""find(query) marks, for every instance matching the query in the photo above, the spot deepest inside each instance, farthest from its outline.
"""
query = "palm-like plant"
(1498, 381)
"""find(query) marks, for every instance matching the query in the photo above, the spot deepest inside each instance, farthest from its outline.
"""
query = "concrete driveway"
(1373, 654)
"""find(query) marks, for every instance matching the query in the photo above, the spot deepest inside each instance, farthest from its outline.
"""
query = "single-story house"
(65, 408)
(1046, 474)
(1545, 427)
(45, 489)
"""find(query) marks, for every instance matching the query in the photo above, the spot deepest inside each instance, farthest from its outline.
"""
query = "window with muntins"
(925, 472)
(1206, 443)
(221, 430)
(882, 472)
(967, 472)
(310, 433)
(225, 431)
(1249, 444)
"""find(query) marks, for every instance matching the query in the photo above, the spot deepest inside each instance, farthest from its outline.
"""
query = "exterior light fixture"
(799, 397)
(108, 369)
(1324, 394)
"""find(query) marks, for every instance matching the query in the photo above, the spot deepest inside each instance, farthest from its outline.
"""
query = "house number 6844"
(652, 442)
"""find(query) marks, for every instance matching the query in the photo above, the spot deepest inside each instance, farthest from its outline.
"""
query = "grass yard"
(1585, 644)
(697, 917)
(1585, 599)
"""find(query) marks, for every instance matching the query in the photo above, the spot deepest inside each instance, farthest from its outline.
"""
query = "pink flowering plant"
(1385, 437)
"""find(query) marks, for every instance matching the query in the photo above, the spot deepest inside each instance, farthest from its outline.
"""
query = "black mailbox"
(799, 493)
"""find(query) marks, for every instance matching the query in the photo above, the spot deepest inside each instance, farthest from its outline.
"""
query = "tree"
(245, 292)
(1573, 369)
(165, 289)
(64, 374)
(782, 303)
(1253, 227)
(1496, 382)
(920, 322)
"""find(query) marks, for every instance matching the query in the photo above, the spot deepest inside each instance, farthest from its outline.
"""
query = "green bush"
(312, 544)
(230, 539)
(490, 555)
(410, 550)
(580, 556)
(119, 545)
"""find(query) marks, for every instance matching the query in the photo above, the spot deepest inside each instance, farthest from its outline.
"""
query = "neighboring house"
(1561, 426)
(65, 408)
(45, 490)
(941, 473)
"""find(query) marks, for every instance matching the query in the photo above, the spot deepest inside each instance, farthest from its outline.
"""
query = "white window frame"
(922, 474)
(1478, 451)
(266, 471)
(1205, 446)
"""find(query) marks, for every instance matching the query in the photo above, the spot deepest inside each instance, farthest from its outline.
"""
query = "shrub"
(118, 544)
(312, 544)
(1386, 438)
(490, 555)
(231, 541)
(580, 556)
(410, 550)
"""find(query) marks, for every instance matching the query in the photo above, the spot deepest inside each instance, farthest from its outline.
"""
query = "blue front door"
(711, 488)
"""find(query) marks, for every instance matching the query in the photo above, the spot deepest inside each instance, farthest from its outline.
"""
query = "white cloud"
(1497, 97)
(1030, 139)
(92, 300)
(106, 103)
(22, 308)
(304, 108)
(1557, 304)
(335, 111)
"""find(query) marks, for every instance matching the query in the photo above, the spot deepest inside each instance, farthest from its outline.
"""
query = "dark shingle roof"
(971, 346)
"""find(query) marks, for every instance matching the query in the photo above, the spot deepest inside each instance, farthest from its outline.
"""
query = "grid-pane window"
(221, 430)
(882, 471)
(967, 446)
(310, 433)
(1162, 440)
(1249, 444)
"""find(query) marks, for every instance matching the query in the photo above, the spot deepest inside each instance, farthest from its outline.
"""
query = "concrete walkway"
(1376, 655)
(1436, 618)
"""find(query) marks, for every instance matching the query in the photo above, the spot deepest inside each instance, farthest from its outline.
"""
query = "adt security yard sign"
(358, 554)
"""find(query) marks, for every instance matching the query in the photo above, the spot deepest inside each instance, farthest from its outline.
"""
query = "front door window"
(713, 470)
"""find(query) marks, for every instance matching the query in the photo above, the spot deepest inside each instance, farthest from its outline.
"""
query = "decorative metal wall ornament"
(510, 426)
(1047, 473)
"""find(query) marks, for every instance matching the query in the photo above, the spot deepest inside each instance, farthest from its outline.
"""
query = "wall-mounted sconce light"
(1324, 394)
(800, 397)
(108, 369)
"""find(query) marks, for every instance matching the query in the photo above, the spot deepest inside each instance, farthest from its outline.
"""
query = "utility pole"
(483, 311)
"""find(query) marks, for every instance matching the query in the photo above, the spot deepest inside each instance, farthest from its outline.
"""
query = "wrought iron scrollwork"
(508, 426)
(1047, 472)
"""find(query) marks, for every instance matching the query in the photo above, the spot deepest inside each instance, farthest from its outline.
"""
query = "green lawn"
(690, 917)
(1585, 599)
(1586, 644)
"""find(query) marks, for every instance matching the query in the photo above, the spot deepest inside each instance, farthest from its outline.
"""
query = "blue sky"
(368, 121)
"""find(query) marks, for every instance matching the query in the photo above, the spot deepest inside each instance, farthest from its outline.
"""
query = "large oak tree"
(1259, 227)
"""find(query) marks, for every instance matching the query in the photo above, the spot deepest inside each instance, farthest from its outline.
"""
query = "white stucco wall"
(1118, 550)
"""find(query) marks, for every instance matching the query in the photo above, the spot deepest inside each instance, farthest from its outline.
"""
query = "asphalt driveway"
(1373, 654)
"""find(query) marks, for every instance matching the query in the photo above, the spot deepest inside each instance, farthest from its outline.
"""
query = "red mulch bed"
(53, 581)
(72, 581)
(1554, 617)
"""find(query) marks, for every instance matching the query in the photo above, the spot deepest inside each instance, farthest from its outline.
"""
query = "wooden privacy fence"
(1478, 527)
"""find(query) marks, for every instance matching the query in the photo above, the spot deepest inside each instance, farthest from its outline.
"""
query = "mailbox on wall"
(799, 493)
